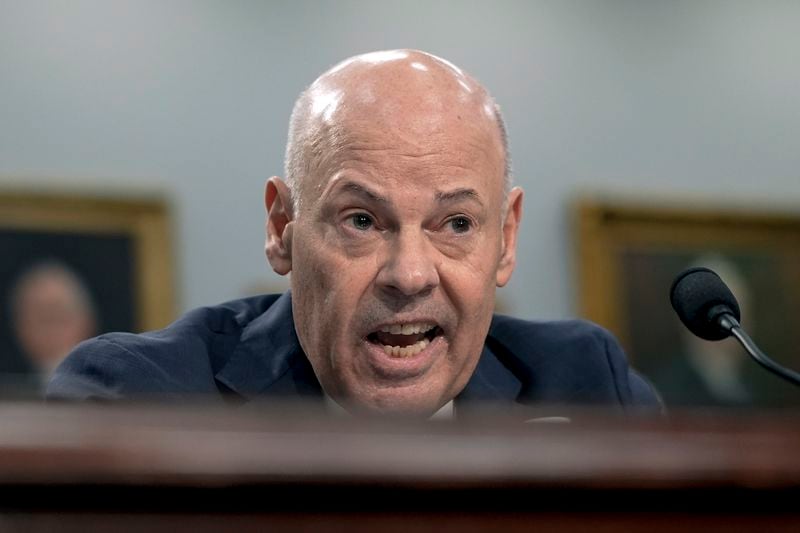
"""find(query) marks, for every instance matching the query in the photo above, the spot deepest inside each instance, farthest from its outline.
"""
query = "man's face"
(395, 254)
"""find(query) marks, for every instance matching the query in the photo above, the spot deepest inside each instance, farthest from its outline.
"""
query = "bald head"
(412, 97)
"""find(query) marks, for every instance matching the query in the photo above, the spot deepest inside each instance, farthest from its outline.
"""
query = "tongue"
(392, 339)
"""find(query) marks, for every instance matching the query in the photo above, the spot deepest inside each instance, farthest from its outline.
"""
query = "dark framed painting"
(628, 255)
(74, 266)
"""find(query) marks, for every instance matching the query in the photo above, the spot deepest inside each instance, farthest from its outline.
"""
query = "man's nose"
(410, 267)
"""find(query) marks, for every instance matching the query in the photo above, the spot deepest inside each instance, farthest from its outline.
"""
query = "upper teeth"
(407, 329)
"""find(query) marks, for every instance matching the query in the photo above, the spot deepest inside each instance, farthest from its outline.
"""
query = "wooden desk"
(204, 468)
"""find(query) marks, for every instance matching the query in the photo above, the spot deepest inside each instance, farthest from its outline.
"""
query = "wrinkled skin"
(401, 220)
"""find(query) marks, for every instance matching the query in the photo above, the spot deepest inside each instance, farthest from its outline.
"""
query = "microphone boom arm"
(729, 322)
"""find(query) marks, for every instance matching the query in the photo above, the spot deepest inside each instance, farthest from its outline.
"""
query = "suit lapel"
(491, 383)
(268, 359)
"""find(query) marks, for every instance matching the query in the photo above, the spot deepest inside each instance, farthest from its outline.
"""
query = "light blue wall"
(191, 99)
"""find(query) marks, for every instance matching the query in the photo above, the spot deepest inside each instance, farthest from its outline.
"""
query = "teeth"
(406, 351)
(407, 329)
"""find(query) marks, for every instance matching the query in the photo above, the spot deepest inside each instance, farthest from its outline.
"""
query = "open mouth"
(404, 340)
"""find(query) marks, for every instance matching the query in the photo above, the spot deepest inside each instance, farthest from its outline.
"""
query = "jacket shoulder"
(568, 361)
(176, 361)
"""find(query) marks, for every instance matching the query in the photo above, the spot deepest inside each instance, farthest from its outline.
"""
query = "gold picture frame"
(145, 222)
(629, 252)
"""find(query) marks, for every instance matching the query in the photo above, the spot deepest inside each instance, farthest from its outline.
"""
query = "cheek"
(329, 274)
(327, 286)
(473, 276)
(471, 285)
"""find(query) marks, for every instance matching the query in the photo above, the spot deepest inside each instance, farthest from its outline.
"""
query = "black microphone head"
(699, 296)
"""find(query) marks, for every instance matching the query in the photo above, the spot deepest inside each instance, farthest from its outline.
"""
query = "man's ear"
(508, 252)
(280, 217)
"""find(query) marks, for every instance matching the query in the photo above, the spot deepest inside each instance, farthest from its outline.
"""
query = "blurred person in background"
(51, 312)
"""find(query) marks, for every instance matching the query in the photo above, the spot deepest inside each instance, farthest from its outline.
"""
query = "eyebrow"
(457, 195)
(360, 190)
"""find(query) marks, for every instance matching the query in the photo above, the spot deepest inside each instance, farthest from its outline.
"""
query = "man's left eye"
(361, 221)
(460, 224)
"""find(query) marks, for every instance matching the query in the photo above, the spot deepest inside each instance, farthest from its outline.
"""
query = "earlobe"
(280, 217)
(508, 254)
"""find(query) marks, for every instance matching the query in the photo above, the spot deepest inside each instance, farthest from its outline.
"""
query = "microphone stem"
(730, 323)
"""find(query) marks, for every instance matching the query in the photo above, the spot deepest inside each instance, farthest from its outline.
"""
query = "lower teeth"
(406, 351)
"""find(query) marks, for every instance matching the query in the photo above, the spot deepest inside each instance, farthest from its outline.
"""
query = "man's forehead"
(380, 189)
(392, 193)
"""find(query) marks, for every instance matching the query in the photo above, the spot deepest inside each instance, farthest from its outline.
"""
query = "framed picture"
(628, 255)
(75, 266)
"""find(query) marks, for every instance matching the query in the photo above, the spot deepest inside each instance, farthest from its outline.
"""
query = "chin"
(394, 404)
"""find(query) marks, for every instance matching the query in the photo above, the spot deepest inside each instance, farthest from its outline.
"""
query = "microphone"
(708, 308)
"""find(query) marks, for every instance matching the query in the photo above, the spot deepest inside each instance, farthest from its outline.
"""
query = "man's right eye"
(361, 221)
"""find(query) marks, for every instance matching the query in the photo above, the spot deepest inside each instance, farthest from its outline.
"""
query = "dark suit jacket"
(248, 348)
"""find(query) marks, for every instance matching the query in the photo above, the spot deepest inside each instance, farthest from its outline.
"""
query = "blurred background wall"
(190, 99)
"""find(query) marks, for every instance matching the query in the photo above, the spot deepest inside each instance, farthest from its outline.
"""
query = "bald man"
(397, 221)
